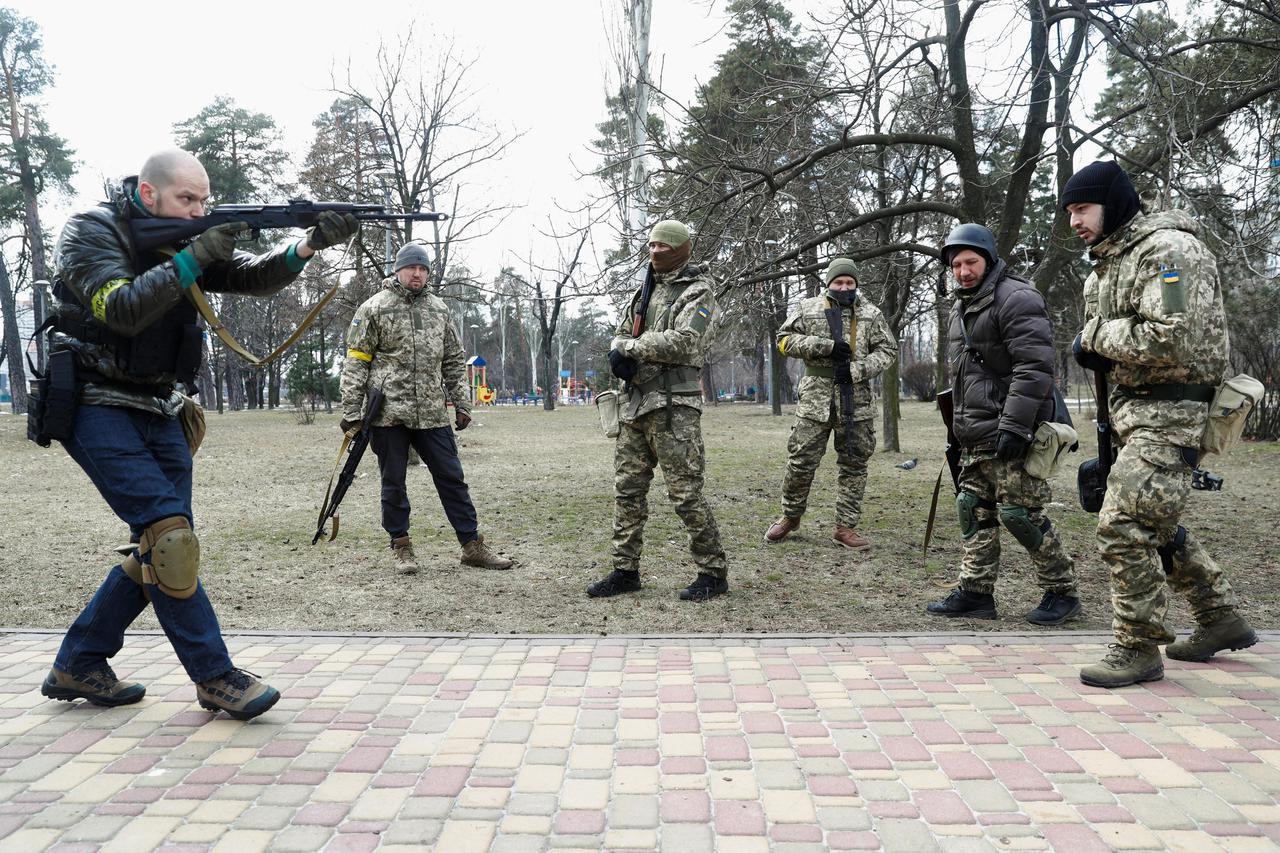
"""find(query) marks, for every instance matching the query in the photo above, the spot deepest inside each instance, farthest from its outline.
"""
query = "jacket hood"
(1142, 226)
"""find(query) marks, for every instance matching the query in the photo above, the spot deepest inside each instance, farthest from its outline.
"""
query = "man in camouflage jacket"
(869, 348)
(1154, 321)
(659, 350)
(401, 341)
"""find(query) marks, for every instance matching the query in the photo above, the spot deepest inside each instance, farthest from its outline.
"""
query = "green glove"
(331, 228)
(215, 245)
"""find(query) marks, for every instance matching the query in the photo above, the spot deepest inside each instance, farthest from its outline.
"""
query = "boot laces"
(239, 679)
(1120, 656)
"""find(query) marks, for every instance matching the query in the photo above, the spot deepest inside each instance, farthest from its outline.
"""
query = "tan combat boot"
(476, 554)
(781, 529)
(406, 562)
(238, 692)
(847, 537)
(1124, 665)
(1229, 632)
(99, 686)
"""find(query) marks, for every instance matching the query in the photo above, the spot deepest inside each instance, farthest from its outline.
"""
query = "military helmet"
(970, 235)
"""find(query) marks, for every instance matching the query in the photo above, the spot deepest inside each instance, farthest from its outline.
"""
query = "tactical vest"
(679, 379)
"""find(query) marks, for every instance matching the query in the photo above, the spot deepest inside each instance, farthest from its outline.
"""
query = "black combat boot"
(704, 588)
(616, 582)
(1054, 609)
(961, 602)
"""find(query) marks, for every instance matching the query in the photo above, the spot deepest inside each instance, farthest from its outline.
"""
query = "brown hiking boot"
(475, 553)
(238, 692)
(1230, 632)
(847, 537)
(99, 687)
(406, 562)
(781, 528)
(1124, 665)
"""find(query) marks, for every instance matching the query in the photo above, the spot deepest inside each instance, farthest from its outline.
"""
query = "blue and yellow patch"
(1173, 294)
(701, 318)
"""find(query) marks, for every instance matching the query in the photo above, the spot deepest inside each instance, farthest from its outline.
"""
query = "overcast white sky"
(125, 72)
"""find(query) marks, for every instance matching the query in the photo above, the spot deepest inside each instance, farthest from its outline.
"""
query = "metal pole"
(386, 203)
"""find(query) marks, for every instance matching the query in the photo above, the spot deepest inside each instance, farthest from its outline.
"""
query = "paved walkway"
(956, 742)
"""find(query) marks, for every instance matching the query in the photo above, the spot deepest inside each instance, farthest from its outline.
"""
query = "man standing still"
(661, 344)
(1154, 321)
(126, 325)
(401, 341)
(868, 348)
(1001, 355)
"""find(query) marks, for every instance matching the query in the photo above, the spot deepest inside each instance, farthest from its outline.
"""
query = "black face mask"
(843, 298)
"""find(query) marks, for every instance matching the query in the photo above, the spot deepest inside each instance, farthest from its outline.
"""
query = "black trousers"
(440, 452)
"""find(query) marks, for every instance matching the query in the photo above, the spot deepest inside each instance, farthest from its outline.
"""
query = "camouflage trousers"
(643, 444)
(1007, 484)
(805, 449)
(1146, 493)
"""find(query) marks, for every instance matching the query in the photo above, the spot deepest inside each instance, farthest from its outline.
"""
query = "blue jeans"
(140, 463)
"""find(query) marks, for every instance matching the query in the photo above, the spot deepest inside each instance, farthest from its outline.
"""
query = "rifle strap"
(197, 297)
(933, 512)
(328, 492)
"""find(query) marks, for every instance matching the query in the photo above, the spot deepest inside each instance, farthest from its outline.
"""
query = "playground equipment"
(476, 384)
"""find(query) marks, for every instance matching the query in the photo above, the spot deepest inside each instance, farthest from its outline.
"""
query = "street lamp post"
(574, 344)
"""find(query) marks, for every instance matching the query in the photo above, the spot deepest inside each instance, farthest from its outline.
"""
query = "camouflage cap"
(839, 267)
(670, 231)
(412, 254)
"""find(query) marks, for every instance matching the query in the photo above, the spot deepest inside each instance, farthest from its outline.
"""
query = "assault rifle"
(1092, 476)
(842, 372)
(946, 406)
(354, 447)
(150, 233)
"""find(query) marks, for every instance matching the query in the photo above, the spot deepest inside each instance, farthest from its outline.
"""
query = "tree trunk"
(891, 412)
(13, 342)
(550, 381)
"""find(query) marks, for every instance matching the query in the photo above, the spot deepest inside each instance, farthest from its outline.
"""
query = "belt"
(1172, 391)
(819, 370)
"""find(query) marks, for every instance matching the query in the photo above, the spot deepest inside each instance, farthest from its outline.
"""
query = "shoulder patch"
(700, 318)
(1173, 293)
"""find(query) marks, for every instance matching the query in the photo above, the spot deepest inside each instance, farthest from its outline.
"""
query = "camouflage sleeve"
(683, 342)
(1175, 285)
(362, 345)
(882, 350)
(623, 333)
(795, 342)
(453, 369)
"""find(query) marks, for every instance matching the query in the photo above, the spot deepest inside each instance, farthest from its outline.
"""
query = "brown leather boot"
(847, 537)
(406, 562)
(781, 528)
(475, 553)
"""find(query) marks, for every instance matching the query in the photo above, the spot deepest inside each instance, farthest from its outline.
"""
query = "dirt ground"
(542, 482)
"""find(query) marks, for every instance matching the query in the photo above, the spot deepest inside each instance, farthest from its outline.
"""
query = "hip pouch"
(1092, 482)
(1230, 408)
(1050, 442)
(54, 399)
(607, 407)
(192, 418)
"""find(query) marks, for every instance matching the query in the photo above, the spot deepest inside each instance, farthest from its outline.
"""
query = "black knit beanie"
(1104, 183)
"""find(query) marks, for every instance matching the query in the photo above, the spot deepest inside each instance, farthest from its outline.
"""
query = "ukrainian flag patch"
(1173, 294)
(700, 318)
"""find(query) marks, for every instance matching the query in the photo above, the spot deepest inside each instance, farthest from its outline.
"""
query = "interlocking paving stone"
(943, 742)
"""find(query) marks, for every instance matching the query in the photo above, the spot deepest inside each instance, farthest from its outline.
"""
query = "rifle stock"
(1091, 479)
(150, 233)
(354, 449)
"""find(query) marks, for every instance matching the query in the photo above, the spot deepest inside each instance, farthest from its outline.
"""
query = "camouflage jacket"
(107, 286)
(806, 335)
(1153, 305)
(674, 343)
(404, 343)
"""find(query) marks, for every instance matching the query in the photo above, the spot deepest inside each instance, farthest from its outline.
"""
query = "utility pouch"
(55, 396)
(193, 427)
(1050, 442)
(1230, 408)
(1092, 482)
(607, 406)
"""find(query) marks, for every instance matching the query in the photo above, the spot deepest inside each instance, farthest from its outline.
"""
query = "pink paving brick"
(281, 748)
(717, 706)
(364, 759)
(832, 786)
(321, 814)
(892, 809)
(317, 715)
(881, 715)
(796, 730)
(1193, 759)
(139, 795)
(190, 792)
(126, 809)
(636, 757)
(685, 807)
(1234, 756)
(442, 781)
(678, 722)
(761, 722)
(1127, 785)
(132, 764)
(753, 694)
(1128, 746)
(795, 832)
(395, 780)
(1229, 829)
(781, 673)
(853, 841)
(579, 822)
(726, 748)
(1003, 818)
(683, 766)
(935, 732)
(1074, 838)
(963, 765)
(904, 749)
(677, 693)
(76, 741)
(302, 777)
(1050, 759)
(1100, 813)
(1019, 775)
(739, 817)
(354, 843)
(943, 807)
(867, 760)
(193, 719)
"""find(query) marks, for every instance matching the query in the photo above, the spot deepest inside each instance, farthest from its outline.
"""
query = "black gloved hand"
(843, 375)
(1010, 446)
(331, 228)
(622, 366)
(1089, 360)
(461, 421)
(350, 427)
(215, 245)
(841, 351)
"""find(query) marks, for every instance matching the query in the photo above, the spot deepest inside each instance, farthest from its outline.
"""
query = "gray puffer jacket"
(1003, 372)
